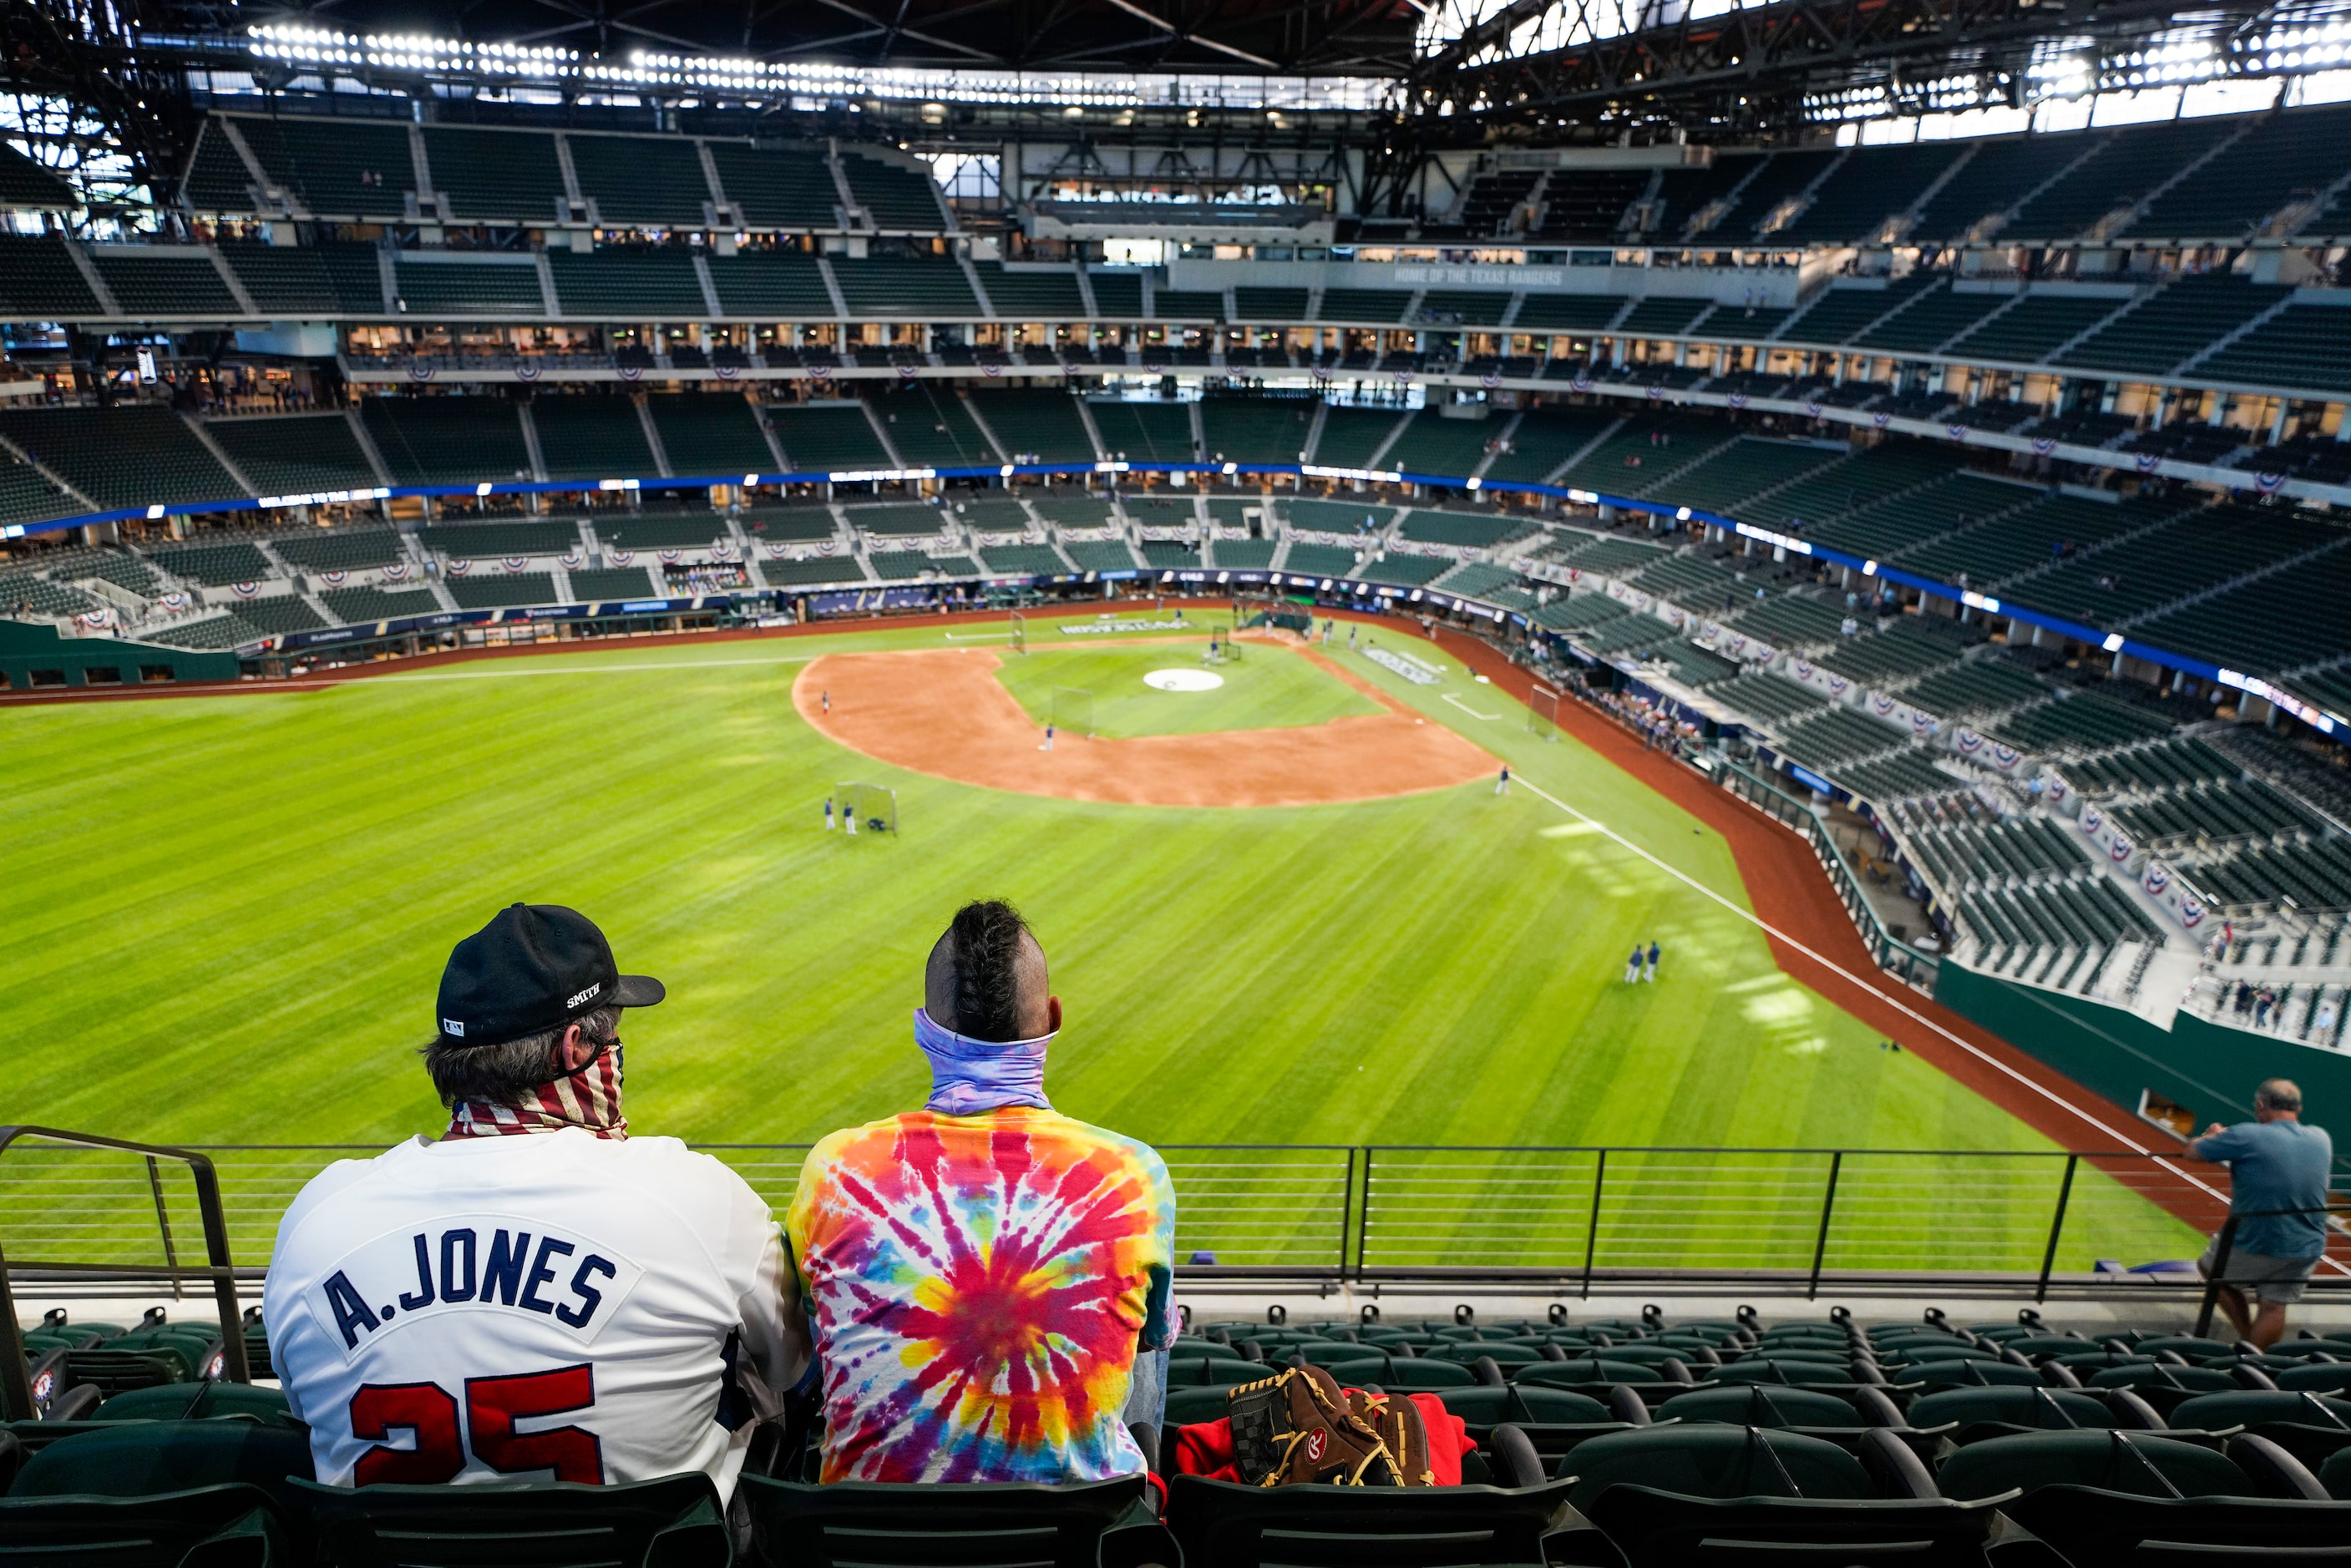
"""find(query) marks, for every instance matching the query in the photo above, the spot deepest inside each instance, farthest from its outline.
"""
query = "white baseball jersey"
(549, 1307)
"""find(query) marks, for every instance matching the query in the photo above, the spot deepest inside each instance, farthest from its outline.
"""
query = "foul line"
(1465, 707)
(1896, 1003)
(974, 636)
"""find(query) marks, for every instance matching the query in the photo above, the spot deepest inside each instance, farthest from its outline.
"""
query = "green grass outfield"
(227, 916)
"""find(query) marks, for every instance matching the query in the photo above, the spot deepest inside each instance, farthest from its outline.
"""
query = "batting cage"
(1019, 632)
(1543, 713)
(867, 808)
(1074, 710)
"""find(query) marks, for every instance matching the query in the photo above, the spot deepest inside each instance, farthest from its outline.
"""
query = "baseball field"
(1290, 908)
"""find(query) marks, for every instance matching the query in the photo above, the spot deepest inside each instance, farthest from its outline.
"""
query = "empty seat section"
(513, 175)
(628, 285)
(422, 287)
(334, 167)
(1863, 201)
(1038, 426)
(2000, 172)
(785, 188)
(2036, 327)
(38, 280)
(1442, 447)
(821, 436)
(2175, 326)
(590, 435)
(1032, 293)
(1149, 431)
(308, 280)
(1366, 306)
(712, 433)
(1566, 312)
(925, 287)
(1350, 436)
(446, 440)
(1256, 430)
(647, 180)
(1274, 306)
(357, 606)
(901, 200)
(485, 589)
(1118, 296)
(339, 549)
(121, 457)
(780, 284)
(155, 280)
(931, 426)
(1931, 319)
(594, 584)
(292, 455)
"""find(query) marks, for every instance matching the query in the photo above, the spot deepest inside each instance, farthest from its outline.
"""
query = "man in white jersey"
(577, 1305)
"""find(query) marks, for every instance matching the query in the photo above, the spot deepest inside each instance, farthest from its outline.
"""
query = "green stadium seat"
(1236, 1526)
(2113, 1461)
(1583, 1370)
(495, 172)
(2260, 1406)
(856, 1524)
(1755, 1404)
(1523, 1402)
(1215, 1372)
(673, 1523)
(654, 180)
(1702, 1495)
(780, 187)
(190, 1402)
(1983, 1413)
(156, 1458)
(209, 1527)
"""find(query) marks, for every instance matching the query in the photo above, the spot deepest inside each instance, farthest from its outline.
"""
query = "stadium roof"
(1358, 38)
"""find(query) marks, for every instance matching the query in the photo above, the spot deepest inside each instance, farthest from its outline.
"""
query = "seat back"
(1790, 1370)
(1959, 1374)
(1217, 1372)
(673, 1523)
(2111, 1460)
(1489, 1406)
(1694, 1460)
(193, 1402)
(1232, 1526)
(148, 1458)
(211, 1527)
(2325, 1377)
(1759, 1405)
(2252, 1407)
(2058, 1409)
(799, 1525)
(2090, 1524)
(1656, 1529)
(1582, 1370)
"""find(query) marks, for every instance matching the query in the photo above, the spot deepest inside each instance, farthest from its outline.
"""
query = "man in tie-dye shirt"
(983, 1271)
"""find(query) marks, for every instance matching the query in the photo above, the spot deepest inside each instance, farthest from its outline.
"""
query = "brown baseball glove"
(1299, 1427)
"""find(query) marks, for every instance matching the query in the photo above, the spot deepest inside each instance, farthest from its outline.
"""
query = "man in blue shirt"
(2276, 1163)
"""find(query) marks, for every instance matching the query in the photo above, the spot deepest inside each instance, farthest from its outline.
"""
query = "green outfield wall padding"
(2208, 1068)
(32, 655)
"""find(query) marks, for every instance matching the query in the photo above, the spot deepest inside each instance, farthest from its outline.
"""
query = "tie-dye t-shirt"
(980, 1286)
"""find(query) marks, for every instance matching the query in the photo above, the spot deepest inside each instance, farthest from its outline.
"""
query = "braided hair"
(984, 953)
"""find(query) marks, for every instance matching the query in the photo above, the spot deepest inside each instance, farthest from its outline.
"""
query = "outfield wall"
(2208, 1068)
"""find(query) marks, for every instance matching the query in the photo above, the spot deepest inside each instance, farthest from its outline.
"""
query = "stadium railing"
(1567, 1221)
(83, 1199)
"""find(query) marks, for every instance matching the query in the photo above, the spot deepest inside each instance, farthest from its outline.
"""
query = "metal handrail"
(2226, 1243)
(15, 1376)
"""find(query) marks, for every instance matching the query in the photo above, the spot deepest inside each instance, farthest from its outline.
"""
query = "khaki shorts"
(2276, 1281)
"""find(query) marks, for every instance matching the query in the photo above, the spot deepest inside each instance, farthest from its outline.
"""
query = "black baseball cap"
(534, 967)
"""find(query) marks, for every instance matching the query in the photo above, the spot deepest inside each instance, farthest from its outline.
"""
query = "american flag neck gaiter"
(589, 1099)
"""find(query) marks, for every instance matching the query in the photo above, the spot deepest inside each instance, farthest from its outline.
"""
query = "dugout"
(36, 658)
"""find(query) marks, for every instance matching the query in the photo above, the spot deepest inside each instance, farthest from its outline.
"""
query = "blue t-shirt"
(2275, 1165)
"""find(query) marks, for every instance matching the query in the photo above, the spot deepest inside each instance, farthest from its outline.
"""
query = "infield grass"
(1266, 688)
(228, 916)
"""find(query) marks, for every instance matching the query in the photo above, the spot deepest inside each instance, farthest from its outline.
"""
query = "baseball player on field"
(535, 1295)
